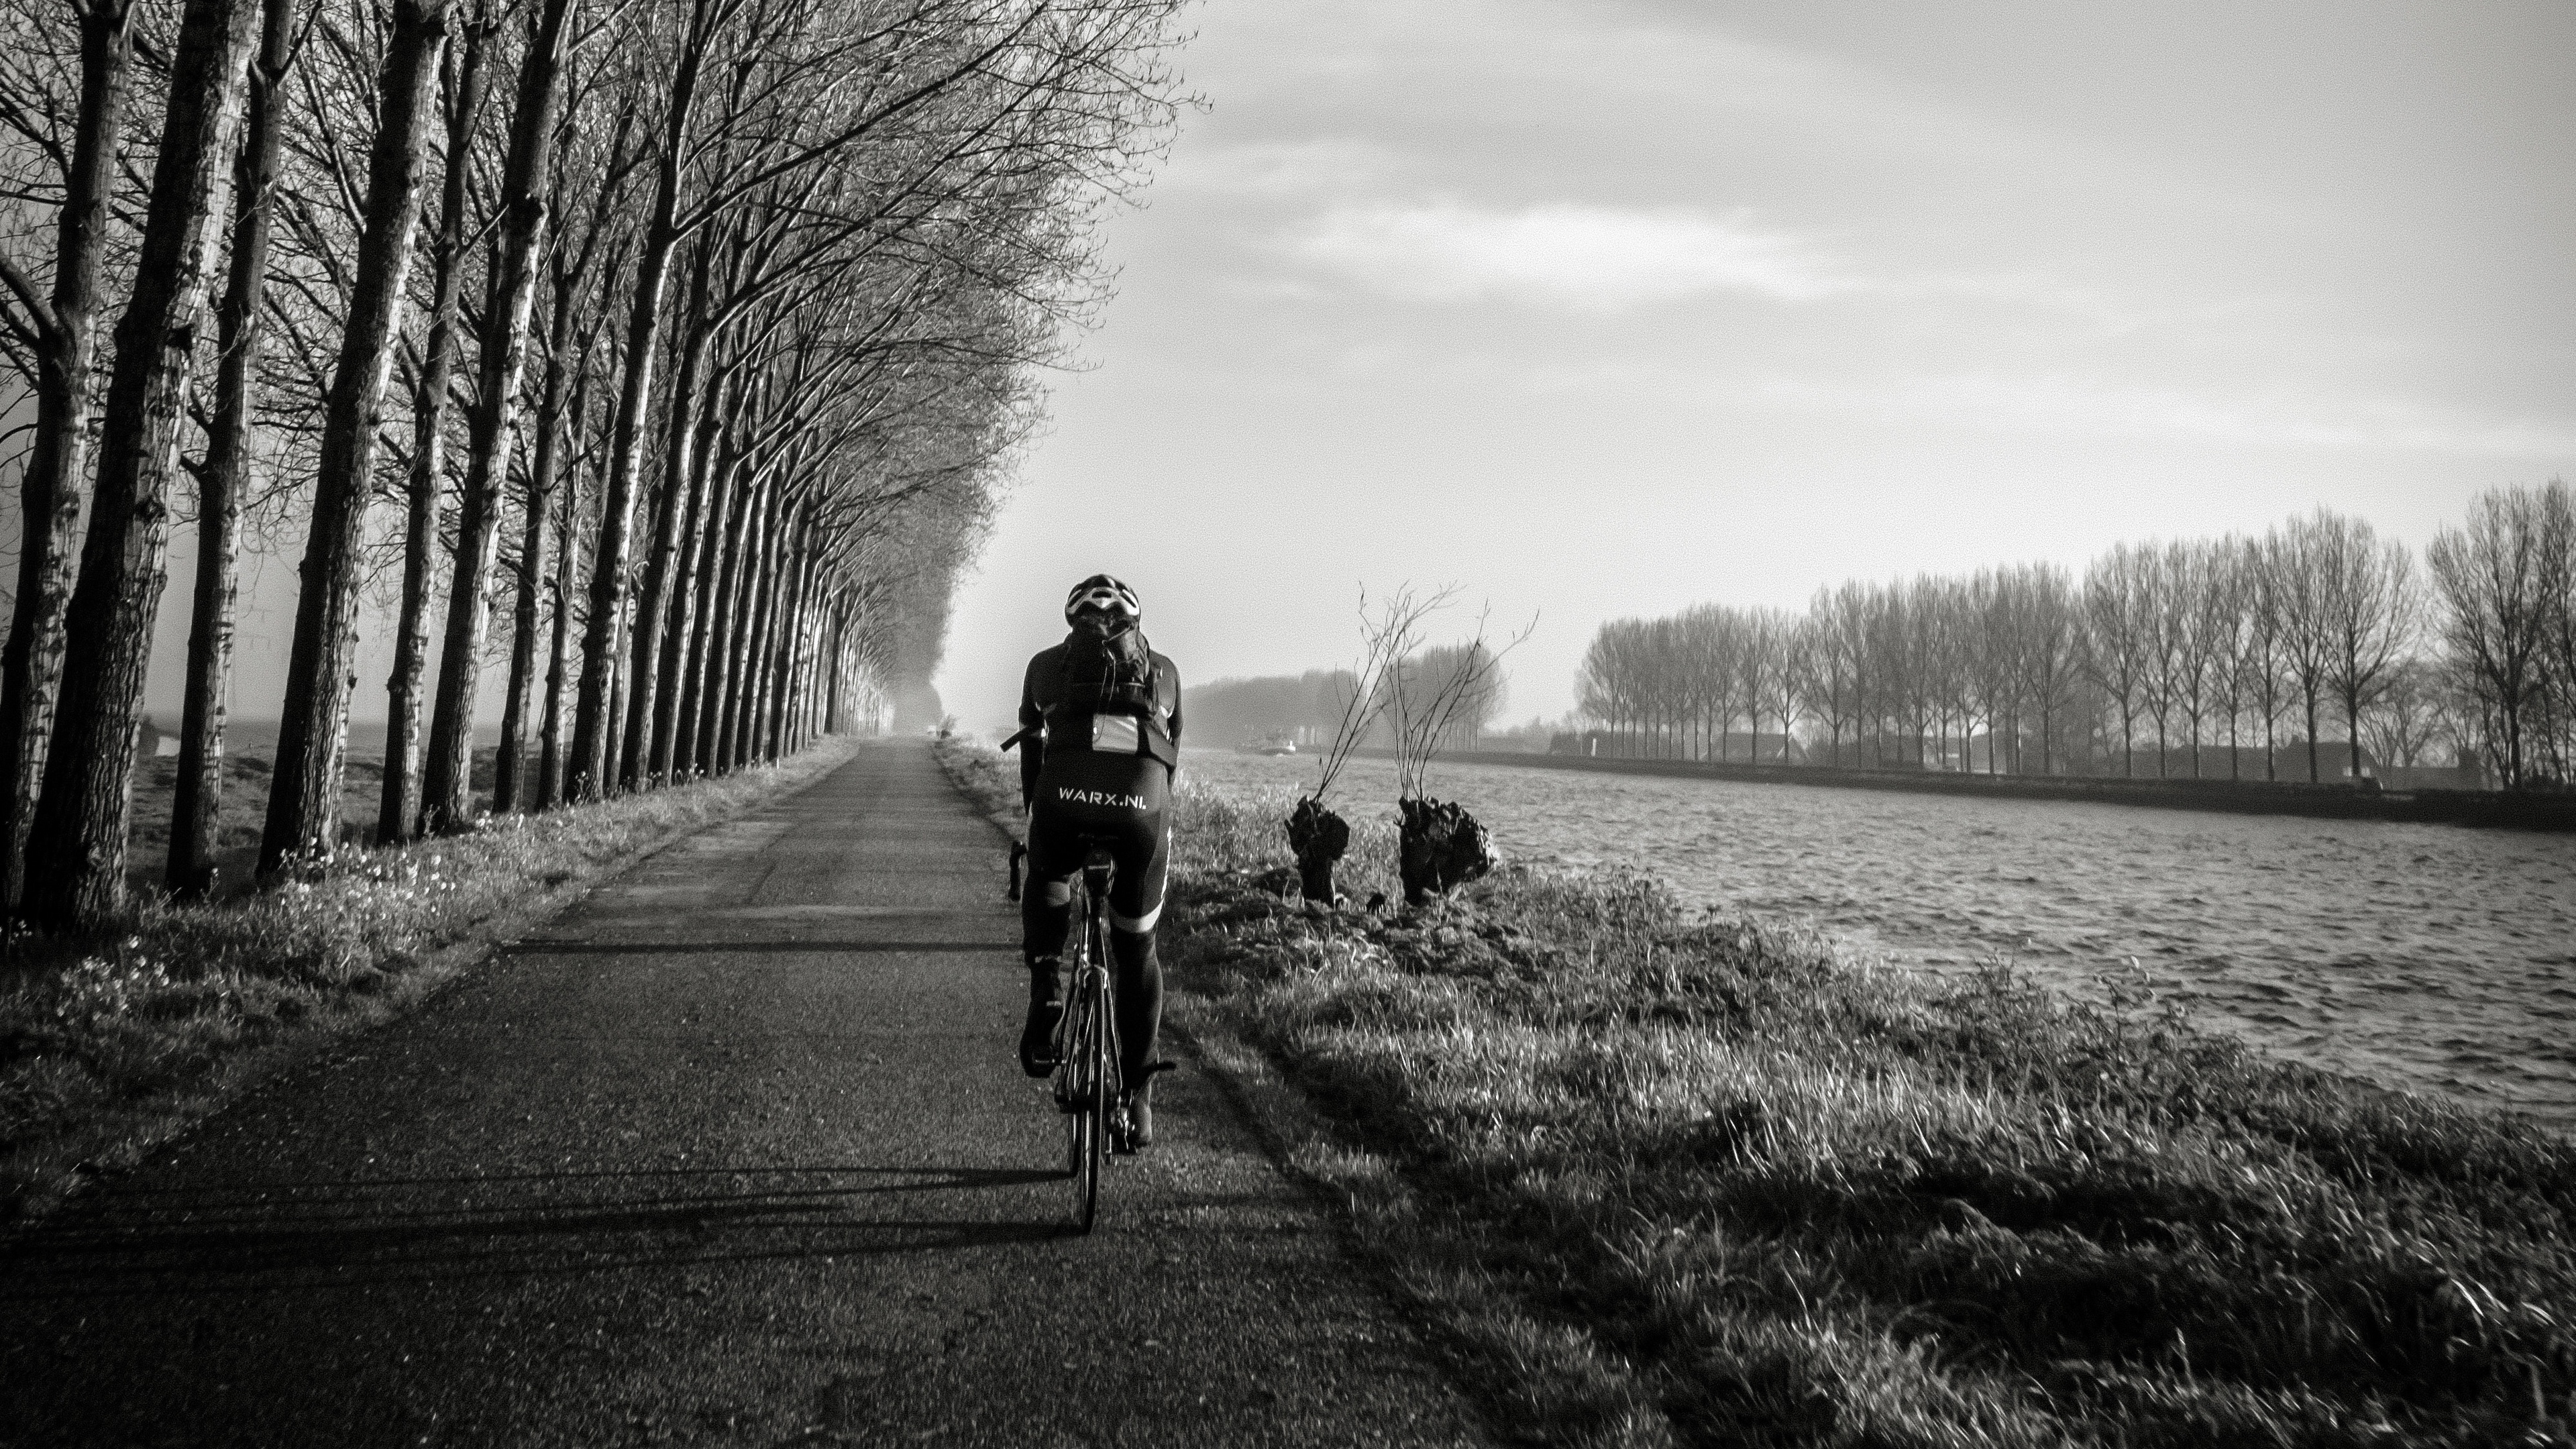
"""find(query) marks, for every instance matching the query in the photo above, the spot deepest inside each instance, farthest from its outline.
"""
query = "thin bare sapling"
(1429, 692)
(1317, 835)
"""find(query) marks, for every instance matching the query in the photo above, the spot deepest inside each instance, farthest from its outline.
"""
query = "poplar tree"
(76, 846)
(503, 357)
(303, 808)
(398, 810)
(223, 478)
(59, 325)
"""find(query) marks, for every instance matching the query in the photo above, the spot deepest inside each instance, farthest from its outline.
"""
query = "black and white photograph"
(1172, 724)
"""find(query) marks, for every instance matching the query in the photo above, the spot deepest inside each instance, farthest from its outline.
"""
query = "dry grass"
(112, 1040)
(1698, 1181)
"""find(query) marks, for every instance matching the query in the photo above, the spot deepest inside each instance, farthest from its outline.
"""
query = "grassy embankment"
(112, 1041)
(1674, 1180)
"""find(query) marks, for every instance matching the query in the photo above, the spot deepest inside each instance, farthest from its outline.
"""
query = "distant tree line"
(1306, 709)
(2234, 657)
(686, 336)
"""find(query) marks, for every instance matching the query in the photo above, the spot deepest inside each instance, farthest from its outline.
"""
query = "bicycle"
(1086, 1074)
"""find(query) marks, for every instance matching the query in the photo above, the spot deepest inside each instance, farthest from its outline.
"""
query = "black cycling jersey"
(1049, 718)
(1093, 777)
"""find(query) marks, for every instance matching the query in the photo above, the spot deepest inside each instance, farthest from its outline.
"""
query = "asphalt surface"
(735, 1152)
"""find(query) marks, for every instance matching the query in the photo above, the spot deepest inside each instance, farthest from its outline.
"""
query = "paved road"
(735, 1153)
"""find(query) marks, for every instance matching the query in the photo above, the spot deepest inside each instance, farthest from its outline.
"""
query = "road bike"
(1086, 1044)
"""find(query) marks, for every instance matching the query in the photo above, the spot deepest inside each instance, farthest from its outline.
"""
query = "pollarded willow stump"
(1318, 837)
(1440, 846)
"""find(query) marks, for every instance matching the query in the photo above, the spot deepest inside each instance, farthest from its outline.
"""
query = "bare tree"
(59, 325)
(1440, 845)
(223, 478)
(2047, 630)
(76, 847)
(2372, 606)
(1832, 666)
(522, 218)
(2490, 574)
(303, 808)
(2120, 630)
(1994, 662)
(2234, 642)
(1760, 643)
(2298, 560)
(2408, 713)
(1318, 836)
(2558, 628)
(2258, 564)
(398, 811)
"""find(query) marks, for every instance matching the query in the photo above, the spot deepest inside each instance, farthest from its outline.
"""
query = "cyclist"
(1100, 723)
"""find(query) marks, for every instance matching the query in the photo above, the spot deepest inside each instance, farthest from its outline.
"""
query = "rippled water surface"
(2425, 956)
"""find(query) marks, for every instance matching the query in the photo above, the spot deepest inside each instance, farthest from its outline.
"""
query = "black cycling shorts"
(1118, 800)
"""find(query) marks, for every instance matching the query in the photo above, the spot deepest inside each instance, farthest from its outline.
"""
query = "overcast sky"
(1609, 307)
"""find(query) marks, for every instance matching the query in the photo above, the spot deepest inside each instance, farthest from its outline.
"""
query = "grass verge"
(114, 1041)
(1670, 1179)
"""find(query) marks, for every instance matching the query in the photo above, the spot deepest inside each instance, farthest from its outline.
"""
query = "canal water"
(2429, 957)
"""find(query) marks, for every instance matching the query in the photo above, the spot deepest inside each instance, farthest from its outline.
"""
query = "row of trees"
(2208, 655)
(689, 334)
(2506, 579)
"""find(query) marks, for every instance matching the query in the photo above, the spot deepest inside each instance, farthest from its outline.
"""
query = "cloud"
(1591, 258)
(1303, 168)
(2080, 406)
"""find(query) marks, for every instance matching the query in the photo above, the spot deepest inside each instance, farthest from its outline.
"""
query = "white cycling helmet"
(1103, 594)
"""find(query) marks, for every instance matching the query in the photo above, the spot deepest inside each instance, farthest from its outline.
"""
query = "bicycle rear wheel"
(1087, 1128)
(1077, 1127)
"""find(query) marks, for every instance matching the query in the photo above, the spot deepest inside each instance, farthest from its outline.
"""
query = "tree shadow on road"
(320, 1235)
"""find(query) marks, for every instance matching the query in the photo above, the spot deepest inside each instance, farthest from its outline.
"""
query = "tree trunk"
(303, 803)
(671, 513)
(754, 736)
(66, 408)
(593, 729)
(196, 806)
(836, 660)
(2314, 774)
(733, 643)
(808, 637)
(795, 578)
(400, 815)
(550, 761)
(509, 762)
(398, 799)
(504, 351)
(510, 786)
(832, 720)
(721, 512)
(76, 845)
(761, 607)
(796, 567)
(665, 762)
(724, 638)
